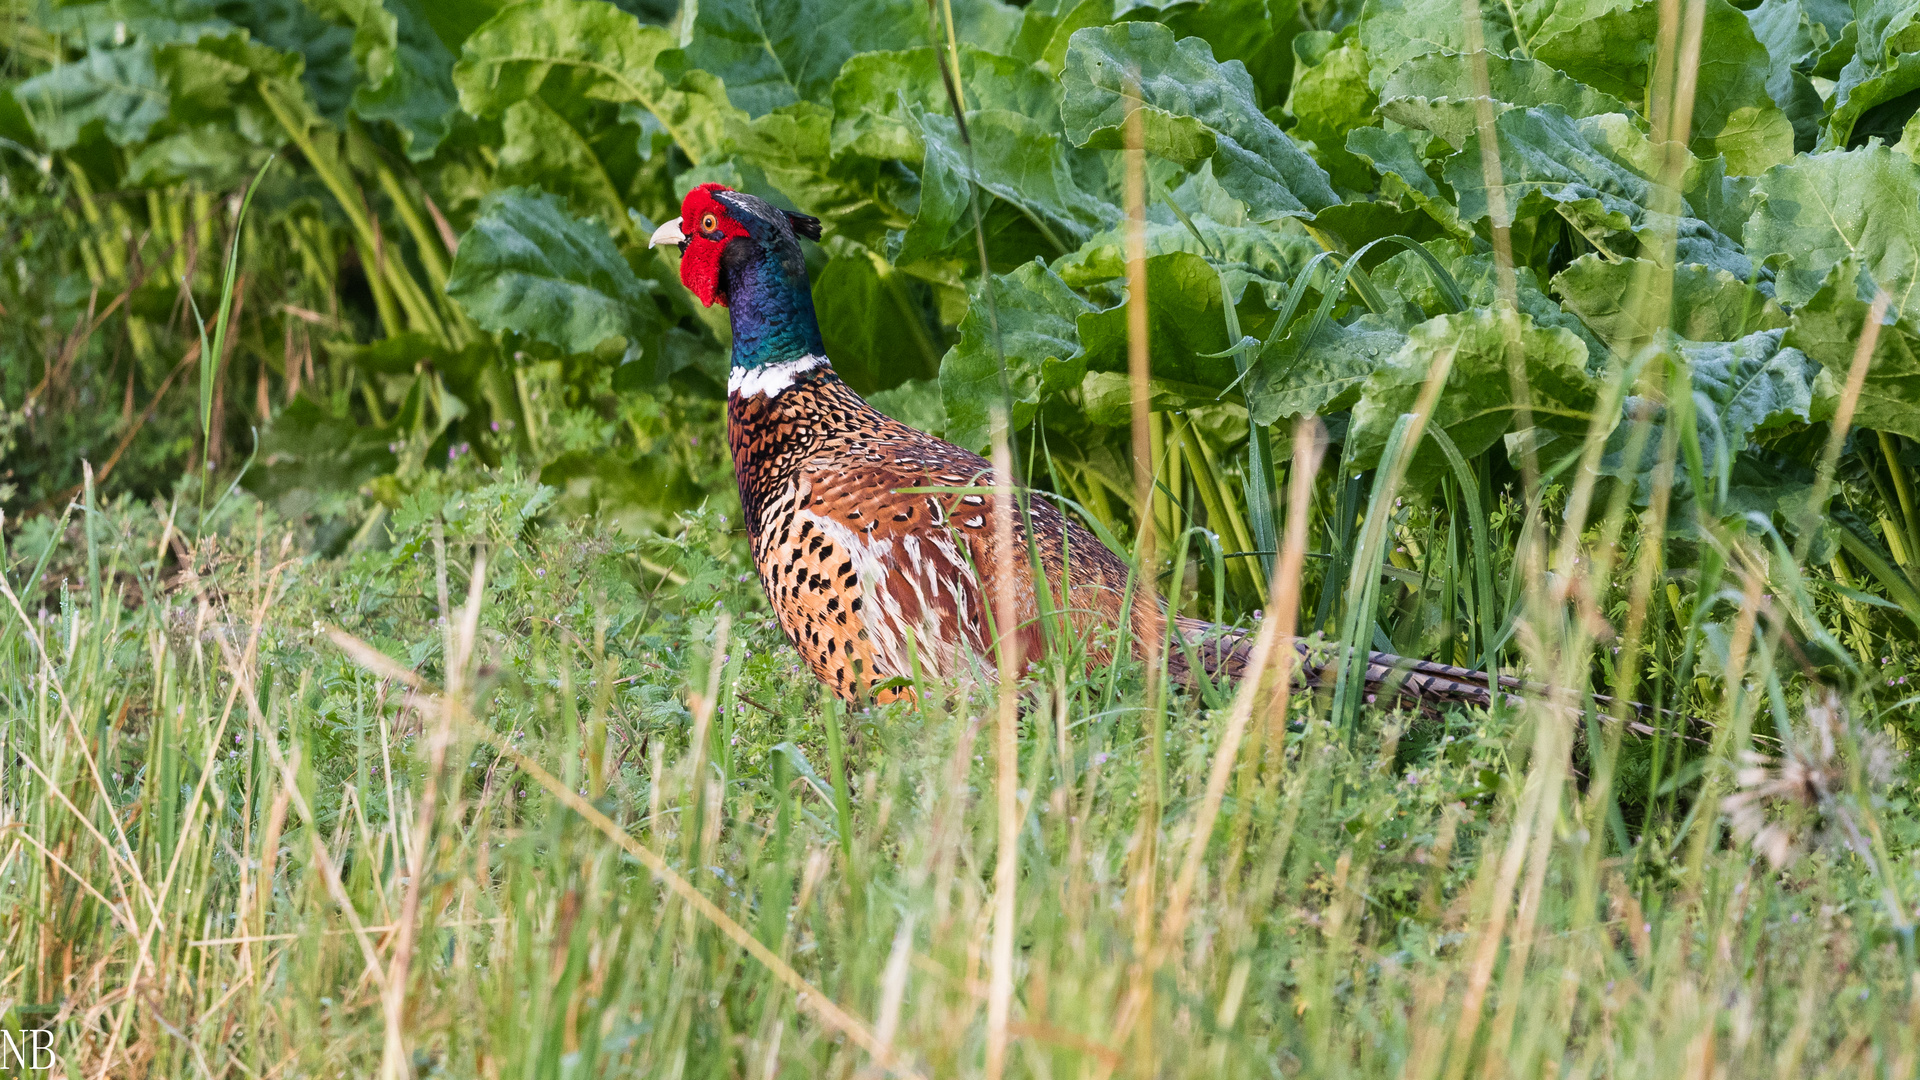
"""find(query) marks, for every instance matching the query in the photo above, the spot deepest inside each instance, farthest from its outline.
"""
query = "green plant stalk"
(420, 310)
(1903, 490)
(1156, 515)
(113, 262)
(1488, 620)
(383, 300)
(210, 357)
(1235, 519)
(842, 797)
(910, 317)
(426, 244)
(1899, 589)
(1218, 516)
(89, 256)
(1856, 615)
(1363, 580)
(328, 168)
(421, 313)
(179, 229)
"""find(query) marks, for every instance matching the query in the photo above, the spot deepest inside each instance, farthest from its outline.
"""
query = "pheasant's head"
(745, 253)
(730, 241)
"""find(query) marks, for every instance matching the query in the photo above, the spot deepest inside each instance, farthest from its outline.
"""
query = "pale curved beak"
(668, 233)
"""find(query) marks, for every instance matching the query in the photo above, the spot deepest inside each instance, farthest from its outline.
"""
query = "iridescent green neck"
(770, 305)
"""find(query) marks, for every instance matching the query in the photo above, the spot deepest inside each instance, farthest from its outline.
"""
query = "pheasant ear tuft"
(805, 226)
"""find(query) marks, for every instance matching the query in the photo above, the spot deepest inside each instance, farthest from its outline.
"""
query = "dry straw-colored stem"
(1139, 371)
(1006, 757)
(806, 996)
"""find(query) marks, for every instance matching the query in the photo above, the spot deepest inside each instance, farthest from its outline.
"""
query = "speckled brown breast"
(867, 575)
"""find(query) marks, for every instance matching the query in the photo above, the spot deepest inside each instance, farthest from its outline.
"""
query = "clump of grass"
(266, 815)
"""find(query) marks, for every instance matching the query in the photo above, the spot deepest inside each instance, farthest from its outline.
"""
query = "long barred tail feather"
(1224, 652)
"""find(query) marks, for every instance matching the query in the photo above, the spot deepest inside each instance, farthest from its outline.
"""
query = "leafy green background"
(447, 255)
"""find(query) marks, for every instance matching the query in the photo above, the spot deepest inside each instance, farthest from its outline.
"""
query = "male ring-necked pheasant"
(852, 561)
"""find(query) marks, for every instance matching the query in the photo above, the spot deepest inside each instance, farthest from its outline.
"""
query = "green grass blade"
(1479, 530)
(210, 354)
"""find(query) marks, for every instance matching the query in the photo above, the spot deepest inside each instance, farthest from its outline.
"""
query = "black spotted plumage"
(866, 574)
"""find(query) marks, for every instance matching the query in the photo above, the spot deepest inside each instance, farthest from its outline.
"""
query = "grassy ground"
(632, 838)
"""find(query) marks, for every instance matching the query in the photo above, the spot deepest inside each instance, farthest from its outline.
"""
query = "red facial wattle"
(707, 226)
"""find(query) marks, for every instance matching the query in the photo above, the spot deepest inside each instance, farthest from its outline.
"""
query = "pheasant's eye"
(709, 223)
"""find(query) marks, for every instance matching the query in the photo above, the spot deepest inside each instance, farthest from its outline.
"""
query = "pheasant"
(864, 572)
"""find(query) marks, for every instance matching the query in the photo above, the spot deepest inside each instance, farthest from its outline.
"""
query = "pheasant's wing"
(888, 552)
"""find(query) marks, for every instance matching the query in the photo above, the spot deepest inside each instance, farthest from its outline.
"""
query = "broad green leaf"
(1330, 98)
(1828, 328)
(1193, 108)
(1723, 201)
(113, 23)
(539, 148)
(1042, 20)
(1395, 31)
(875, 96)
(856, 197)
(1327, 376)
(213, 80)
(1106, 400)
(408, 73)
(1476, 405)
(1799, 32)
(529, 266)
(1436, 93)
(1741, 389)
(989, 25)
(608, 55)
(1014, 158)
(213, 156)
(1036, 314)
(1824, 208)
(291, 26)
(915, 403)
(1352, 226)
(1255, 32)
(1757, 480)
(119, 89)
(14, 124)
(1407, 277)
(314, 462)
(1792, 39)
(1748, 386)
(771, 53)
(870, 319)
(1616, 301)
(1185, 322)
(1595, 171)
(1266, 256)
(1884, 69)
(1733, 115)
(1403, 176)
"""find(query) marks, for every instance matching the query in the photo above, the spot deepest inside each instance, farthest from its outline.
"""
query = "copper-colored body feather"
(864, 572)
(868, 572)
